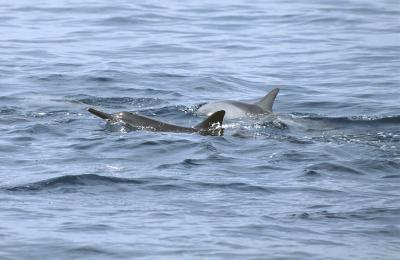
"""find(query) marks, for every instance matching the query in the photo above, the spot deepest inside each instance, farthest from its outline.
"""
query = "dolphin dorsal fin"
(267, 101)
(216, 117)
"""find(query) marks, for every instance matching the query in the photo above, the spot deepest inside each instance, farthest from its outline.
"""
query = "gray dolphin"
(212, 125)
(236, 109)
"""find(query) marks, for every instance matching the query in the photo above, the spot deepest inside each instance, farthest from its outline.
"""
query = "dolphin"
(237, 109)
(211, 126)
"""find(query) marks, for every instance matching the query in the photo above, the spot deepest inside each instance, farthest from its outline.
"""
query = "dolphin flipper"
(215, 118)
(267, 102)
(100, 114)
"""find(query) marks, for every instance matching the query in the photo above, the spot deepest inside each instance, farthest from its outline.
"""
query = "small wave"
(361, 214)
(152, 92)
(357, 120)
(52, 77)
(38, 129)
(330, 168)
(65, 183)
(122, 21)
(7, 110)
(74, 180)
(168, 111)
(118, 102)
(391, 177)
(292, 139)
(238, 186)
(166, 75)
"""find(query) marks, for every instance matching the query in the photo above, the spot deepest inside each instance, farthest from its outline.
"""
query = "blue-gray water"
(321, 182)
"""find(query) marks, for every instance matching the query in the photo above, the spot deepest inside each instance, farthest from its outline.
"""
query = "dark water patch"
(298, 156)
(169, 187)
(190, 163)
(84, 9)
(312, 173)
(109, 77)
(9, 148)
(332, 20)
(235, 186)
(390, 230)
(4, 19)
(68, 65)
(90, 251)
(153, 16)
(391, 176)
(365, 214)
(7, 110)
(129, 20)
(321, 242)
(167, 75)
(186, 163)
(85, 145)
(364, 10)
(164, 142)
(218, 158)
(101, 79)
(321, 214)
(42, 41)
(74, 227)
(11, 98)
(243, 134)
(23, 139)
(319, 206)
(54, 77)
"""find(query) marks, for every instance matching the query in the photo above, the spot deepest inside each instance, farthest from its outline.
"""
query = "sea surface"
(321, 180)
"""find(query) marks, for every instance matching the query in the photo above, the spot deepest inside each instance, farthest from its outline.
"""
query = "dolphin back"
(209, 123)
(267, 102)
(210, 126)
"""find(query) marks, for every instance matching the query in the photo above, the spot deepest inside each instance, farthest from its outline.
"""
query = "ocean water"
(319, 181)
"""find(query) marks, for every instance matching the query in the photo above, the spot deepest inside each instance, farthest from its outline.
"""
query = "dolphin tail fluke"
(209, 123)
(100, 114)
(267, 102)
